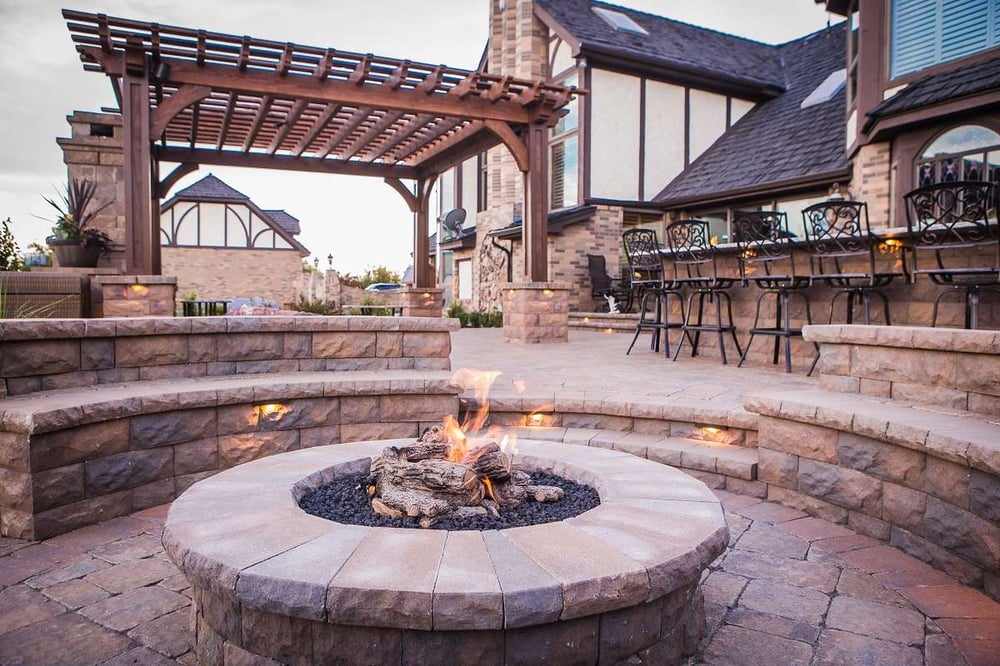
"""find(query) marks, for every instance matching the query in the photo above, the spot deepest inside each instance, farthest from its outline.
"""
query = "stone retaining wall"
(952, 368)
(100, 418)
(56, 354)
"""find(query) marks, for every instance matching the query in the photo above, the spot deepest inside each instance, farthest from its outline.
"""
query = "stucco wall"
(708, 120)
(614, 136)
(664, 135)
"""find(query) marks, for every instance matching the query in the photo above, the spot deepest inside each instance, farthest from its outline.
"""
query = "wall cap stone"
(943, 340)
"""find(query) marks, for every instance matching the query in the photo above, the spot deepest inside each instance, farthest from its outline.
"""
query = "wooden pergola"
(195, 97)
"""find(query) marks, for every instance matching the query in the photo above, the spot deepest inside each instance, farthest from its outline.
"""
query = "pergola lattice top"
(227, 99)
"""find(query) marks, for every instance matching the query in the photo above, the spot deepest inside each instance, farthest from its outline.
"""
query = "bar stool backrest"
(691, 251)
(837, 230)
(763, 240)
(642, 251)
(954, 215)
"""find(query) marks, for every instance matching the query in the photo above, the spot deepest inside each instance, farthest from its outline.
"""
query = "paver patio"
(791, 589)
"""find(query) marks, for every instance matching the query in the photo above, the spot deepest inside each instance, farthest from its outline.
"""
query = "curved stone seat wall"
(902, 445)
(41, 355)
(126, 414)
(953, 368)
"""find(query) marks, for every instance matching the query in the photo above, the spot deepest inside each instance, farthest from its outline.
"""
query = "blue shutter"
(964, 25)
(914, 31)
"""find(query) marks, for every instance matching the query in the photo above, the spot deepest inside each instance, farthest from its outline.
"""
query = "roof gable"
(670, 44)
(211, 188)
(285, 221)
(778, 141)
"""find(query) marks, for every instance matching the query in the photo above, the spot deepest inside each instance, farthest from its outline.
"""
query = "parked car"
(383, 286)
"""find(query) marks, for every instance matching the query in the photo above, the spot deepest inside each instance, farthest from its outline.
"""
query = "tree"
(376, 274)
(10, 253)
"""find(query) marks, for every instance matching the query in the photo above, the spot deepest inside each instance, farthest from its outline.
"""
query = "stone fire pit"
(617, 581)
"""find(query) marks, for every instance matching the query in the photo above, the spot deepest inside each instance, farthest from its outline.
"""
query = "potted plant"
(73, 241)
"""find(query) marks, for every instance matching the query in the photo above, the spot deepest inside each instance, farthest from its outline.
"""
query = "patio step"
(603, 321)
(719, 466)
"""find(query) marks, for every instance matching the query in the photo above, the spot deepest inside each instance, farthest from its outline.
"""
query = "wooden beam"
(182, 98)
(181, 170)
(330, 111)
(258, 121)
(535, 230)
(411, 128)
(515, 144)
(293, 117)
(288, 162)
(351, 124)
(423, 155)
(139, 237)
(371, 134)
(224, 130)
(423, 276)
(457, 153)
(409, 197)
(347, 93)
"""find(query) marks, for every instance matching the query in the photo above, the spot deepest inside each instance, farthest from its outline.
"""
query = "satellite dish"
(453, 220)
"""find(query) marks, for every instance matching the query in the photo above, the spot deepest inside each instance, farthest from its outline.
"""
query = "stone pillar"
(422, 301)
(94, 152)
(536, 312)
(134, 296)
(872, 182)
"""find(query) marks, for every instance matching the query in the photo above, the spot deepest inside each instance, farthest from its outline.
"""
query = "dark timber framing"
(196, 97)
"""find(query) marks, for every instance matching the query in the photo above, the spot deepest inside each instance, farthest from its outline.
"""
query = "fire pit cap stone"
(242, 535)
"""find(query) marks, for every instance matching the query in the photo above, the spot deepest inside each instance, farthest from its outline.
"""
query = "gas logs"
(433, 478)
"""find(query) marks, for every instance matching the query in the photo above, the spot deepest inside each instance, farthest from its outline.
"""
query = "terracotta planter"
(71, 254)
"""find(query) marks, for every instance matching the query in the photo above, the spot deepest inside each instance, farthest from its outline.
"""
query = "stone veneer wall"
(67, 353)
(133, 296)
(219, 273)
(902, 445)
(536, 312)
(958, 369)
(236, 389)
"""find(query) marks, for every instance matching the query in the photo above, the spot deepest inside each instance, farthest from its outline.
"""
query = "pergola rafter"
(211, 98)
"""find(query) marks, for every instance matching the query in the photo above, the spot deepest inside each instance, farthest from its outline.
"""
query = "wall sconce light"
(139, 290)
(272, 412)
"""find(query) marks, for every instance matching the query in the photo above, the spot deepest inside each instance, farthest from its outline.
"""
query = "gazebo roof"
(242, 101)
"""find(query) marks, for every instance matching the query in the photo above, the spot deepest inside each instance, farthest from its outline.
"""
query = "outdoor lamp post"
(329, 260)
(316, 262)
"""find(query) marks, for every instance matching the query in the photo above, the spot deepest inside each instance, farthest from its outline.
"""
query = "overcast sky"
(361, 221)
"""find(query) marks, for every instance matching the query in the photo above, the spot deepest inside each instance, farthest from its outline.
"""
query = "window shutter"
(558, 168)
(914, 31)
(964, 25)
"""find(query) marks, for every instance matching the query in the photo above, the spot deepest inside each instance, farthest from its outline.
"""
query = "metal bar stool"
(646, 270)
(953, 216)
(695, 267)
(766, 260)
(842, 256)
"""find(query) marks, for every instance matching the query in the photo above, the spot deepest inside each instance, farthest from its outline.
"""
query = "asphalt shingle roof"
(211, 187)
(777, 141)
(285, 221)
(671, 43)
(965, 81)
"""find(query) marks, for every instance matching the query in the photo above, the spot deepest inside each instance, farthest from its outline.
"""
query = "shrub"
(316, 307)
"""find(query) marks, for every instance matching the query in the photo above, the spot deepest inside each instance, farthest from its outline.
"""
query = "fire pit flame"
(443, 473)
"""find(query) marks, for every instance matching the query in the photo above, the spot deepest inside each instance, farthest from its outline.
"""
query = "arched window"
(968, 152)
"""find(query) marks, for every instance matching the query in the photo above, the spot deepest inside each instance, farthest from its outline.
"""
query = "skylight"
(827, 90)
(620, 21)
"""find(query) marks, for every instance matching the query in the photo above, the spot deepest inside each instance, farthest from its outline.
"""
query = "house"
(220, 244)
(682, 121)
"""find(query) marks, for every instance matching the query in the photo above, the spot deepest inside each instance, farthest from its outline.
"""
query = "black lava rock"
(345, 500)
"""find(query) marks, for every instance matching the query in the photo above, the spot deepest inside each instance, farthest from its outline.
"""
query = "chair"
(766, 260)
(842, 255)
(956, 216)
(695, 267)
(642, 251)
(603, 286)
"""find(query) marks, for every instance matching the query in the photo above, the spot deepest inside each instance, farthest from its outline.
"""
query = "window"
(564, 156)
(464, 269)
(827, 90)
(929, 32)
(969, 152)
(482, 183)
(620, 22)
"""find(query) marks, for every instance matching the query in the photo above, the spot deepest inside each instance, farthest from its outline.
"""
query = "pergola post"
(142, 256)
(536, 206)
(419, 205)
